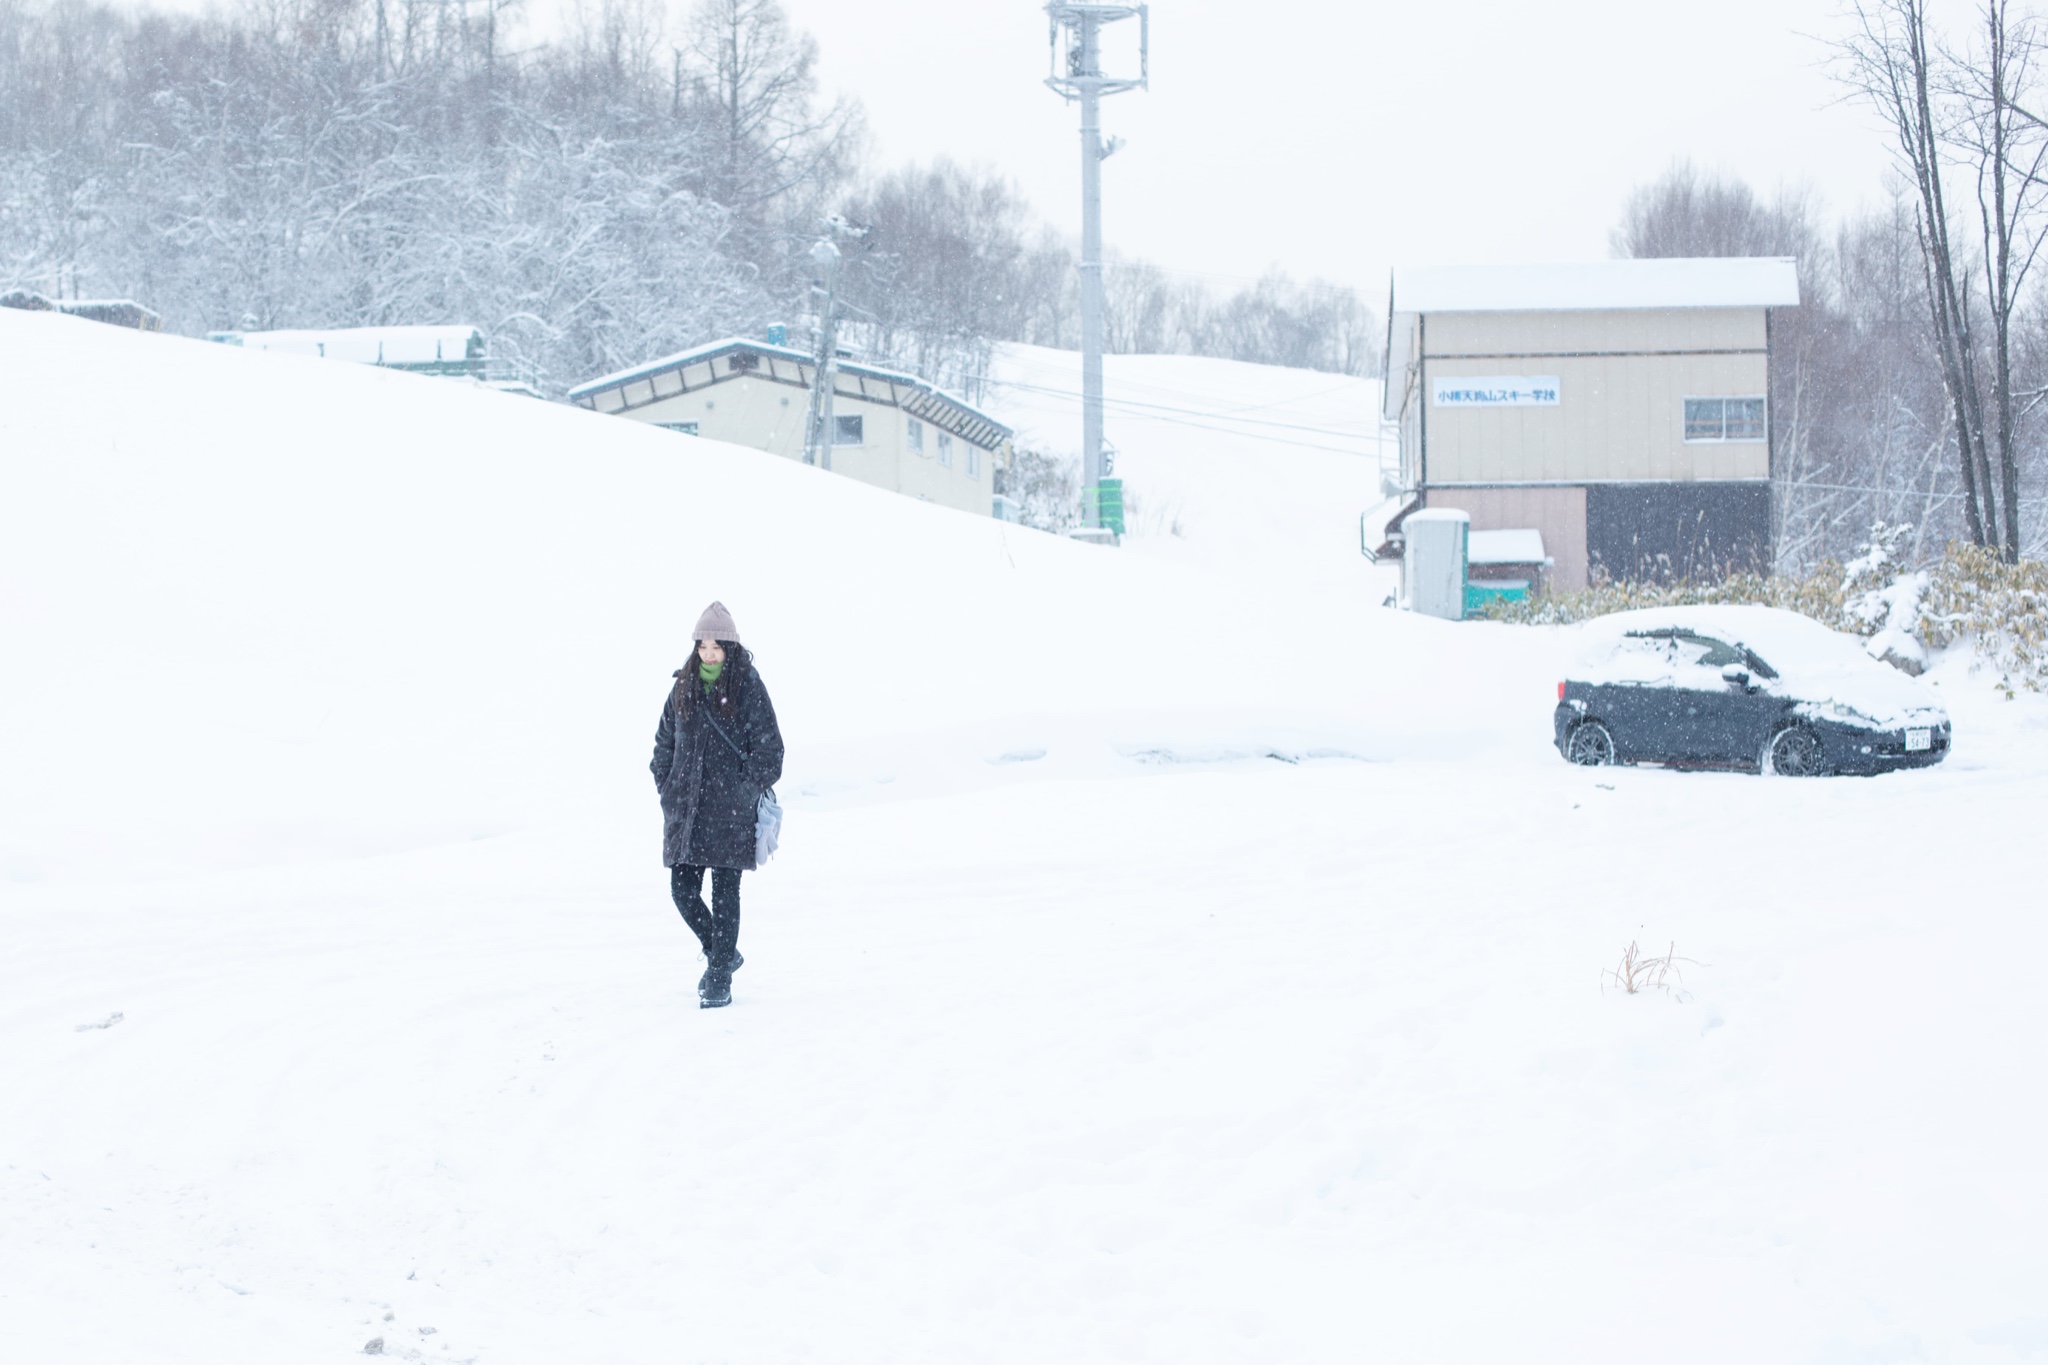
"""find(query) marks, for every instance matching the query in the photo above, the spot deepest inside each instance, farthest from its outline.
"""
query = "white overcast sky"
(1339, 139)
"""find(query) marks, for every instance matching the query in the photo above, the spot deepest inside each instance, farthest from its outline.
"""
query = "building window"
(914, 435)
(846, 430)
(1724, 419)
(687, 428)
(973, 460)
(946, 449)
(1745, 419)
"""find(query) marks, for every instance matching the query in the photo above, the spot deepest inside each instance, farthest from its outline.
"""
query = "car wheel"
(1589, 744)
(1793, 752)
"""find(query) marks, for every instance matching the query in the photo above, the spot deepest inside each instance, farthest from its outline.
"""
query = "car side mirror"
(1735, 675)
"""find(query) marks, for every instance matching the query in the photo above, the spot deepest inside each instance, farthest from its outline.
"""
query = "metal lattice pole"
(1091, 270)
(1080, 25)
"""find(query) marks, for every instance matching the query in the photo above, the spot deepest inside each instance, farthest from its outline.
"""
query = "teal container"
(1477, 595)
(1109, 504)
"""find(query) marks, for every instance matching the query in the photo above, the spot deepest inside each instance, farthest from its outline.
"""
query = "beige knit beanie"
(716, 624)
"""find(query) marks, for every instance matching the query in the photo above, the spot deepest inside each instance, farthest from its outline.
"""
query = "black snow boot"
(712, 969)
(715, 990)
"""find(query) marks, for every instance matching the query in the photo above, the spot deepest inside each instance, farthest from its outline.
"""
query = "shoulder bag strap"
(712, 721)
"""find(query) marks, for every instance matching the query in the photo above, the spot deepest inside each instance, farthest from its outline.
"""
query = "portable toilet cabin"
(1433, 562)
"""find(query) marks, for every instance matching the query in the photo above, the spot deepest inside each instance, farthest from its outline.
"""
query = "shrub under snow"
(1969, 596)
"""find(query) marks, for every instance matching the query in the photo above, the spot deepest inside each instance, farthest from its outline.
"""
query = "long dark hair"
(723, 702)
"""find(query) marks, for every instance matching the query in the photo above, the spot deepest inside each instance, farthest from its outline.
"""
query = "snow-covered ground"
(1174, 956)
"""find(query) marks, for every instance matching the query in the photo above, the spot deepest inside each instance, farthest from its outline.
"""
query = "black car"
(1750, 688)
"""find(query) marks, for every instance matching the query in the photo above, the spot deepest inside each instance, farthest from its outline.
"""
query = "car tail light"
(1560, 691)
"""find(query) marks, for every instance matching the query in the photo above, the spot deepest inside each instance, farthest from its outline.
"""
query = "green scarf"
(708, 674)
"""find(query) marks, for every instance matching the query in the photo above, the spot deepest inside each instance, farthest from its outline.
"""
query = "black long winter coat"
(709, 788)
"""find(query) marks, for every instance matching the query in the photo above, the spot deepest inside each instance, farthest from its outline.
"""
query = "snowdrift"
(264, 606)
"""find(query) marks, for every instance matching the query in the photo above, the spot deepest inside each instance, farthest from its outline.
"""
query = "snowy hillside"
(1258, 472)
(344, 1001)
(311, 564)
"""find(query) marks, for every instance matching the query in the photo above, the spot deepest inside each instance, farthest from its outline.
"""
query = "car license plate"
(1918, 740)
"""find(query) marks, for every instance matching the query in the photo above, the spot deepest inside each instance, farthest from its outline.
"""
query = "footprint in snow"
(107, 1022)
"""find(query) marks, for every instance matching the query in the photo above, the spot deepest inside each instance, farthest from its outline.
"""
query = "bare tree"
(1313, 326)
(753, 81)
(1141, 308)
(1891, 61)
(591, 200)
(941, 273)
(1684, 214)
(1049, 303)
(1860, 418)
(2007, 150)
(310, 164)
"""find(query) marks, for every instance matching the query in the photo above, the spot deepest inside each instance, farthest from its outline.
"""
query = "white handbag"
(767, 826)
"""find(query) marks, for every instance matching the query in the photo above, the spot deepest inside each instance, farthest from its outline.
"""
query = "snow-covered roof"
(698, 367)
(371, 345)
(1714, 282)
(119, 312)
(1520, 546)
(1577, 286)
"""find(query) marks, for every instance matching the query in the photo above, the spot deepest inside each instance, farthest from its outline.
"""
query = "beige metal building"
(1617, 407)
(892, 430)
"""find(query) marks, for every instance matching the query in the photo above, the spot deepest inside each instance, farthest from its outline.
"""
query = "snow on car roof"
(1784, 639)
(1814, 664)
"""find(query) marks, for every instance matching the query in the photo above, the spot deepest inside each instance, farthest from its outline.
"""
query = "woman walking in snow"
(718, 748)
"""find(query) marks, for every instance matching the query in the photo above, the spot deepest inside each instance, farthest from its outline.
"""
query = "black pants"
(717, 928)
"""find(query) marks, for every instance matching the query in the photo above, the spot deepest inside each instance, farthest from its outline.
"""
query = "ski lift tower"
(1077, 75)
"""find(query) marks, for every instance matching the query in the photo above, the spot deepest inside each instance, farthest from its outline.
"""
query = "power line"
(1908, 493)
(1263, 439)
(1340, 382)
(1155, 410)
(1339, 386)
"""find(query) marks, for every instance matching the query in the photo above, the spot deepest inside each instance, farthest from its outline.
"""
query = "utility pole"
(819, 427)
(1077, 75)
